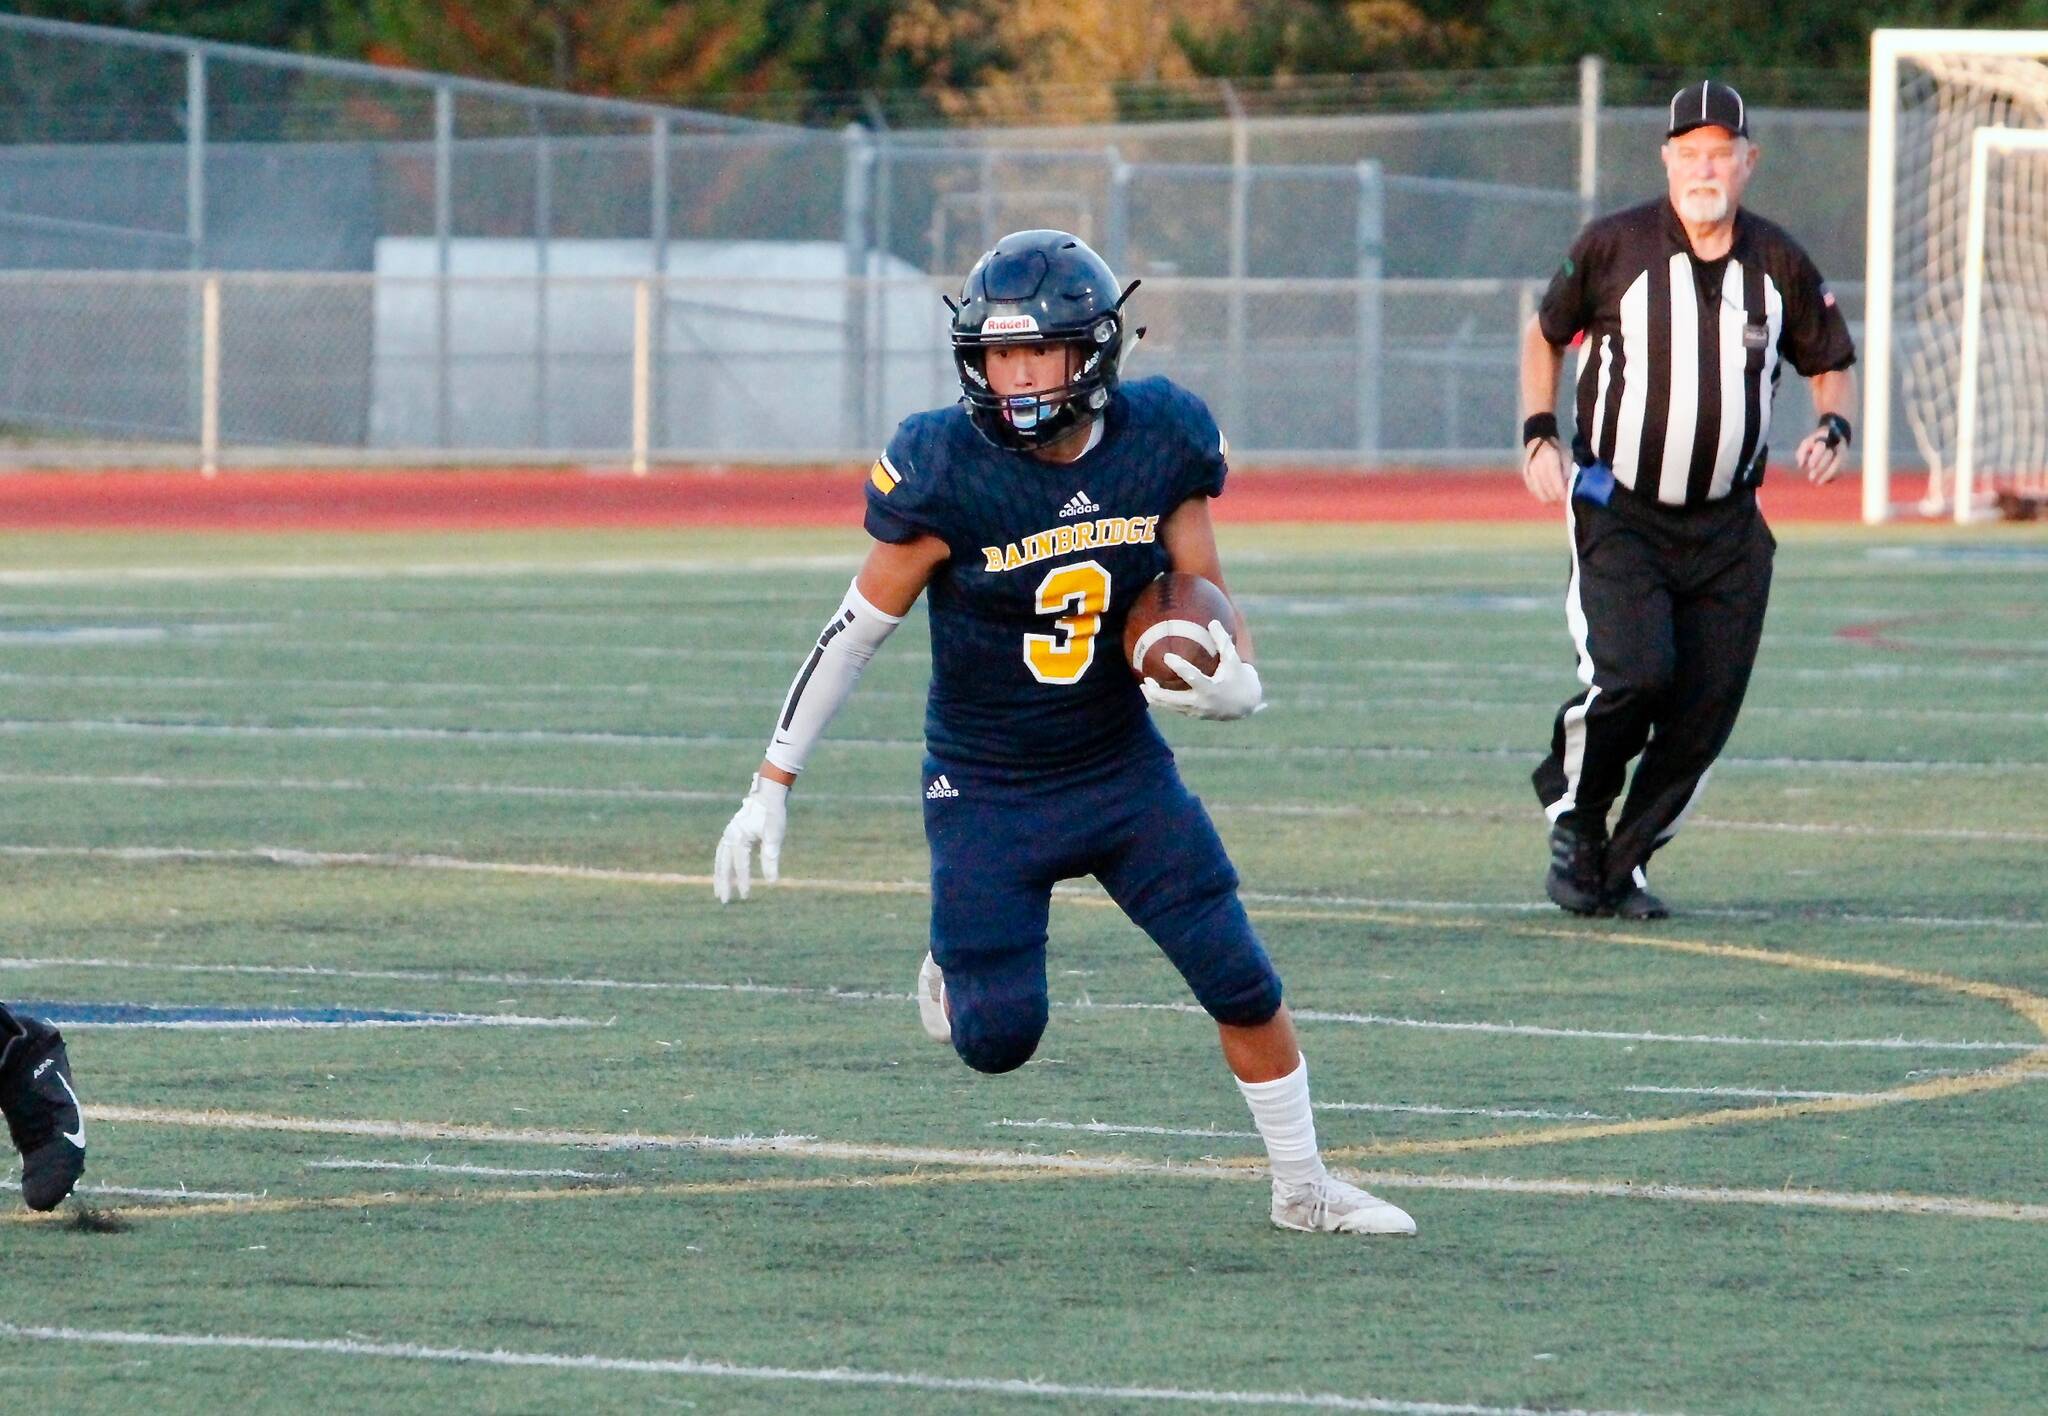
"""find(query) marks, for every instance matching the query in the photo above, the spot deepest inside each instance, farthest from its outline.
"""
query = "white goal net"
(1956, 282)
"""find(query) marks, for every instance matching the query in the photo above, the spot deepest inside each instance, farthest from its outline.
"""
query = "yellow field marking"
(2031, 1006)
(963, 1167)
(377, 1199)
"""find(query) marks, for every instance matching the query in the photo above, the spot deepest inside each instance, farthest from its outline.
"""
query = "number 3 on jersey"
(1078, 594)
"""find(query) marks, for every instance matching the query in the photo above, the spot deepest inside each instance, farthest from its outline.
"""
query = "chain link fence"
(224, 368)
(413, 266)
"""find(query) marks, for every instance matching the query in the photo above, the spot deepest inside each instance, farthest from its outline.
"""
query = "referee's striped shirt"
(1681, 356)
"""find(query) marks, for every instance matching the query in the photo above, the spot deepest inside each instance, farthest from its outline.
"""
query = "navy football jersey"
(1027, 614)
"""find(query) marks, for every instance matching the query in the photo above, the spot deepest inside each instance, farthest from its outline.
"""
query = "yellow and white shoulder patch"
(884, 475)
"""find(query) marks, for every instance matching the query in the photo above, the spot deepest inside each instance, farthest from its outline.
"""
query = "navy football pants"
(999, 846)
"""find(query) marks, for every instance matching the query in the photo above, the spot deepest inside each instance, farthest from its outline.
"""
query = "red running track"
(531, 498)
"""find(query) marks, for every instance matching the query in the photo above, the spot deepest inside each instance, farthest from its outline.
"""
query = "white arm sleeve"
(855, 632)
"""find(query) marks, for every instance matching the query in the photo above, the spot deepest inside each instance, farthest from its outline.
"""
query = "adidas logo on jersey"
(940, 787)
(1079, 505)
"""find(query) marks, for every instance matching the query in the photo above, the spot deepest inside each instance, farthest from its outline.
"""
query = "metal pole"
(1372, 245)
(543, 224)
(195, 218)
(1973, 322)
(988, 202)
(1240, 235)
(444, 162)
(643, 293)
(1117, 238)
(854, 210)
(874, 332)
(1877, 280)
(658, 134)
(657, 191)
(209, 376)
(195, 157)
(1590, 73)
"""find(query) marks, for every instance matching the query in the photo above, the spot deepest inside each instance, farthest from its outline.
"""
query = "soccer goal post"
(2005, 314)
(1931, 93)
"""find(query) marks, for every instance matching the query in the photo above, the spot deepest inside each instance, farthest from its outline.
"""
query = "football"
(1171, 616)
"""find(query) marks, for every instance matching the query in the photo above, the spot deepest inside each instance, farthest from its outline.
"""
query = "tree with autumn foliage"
(678, 53)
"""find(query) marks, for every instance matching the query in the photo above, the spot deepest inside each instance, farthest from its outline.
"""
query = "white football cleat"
(931, 1001)
(1333, 1206)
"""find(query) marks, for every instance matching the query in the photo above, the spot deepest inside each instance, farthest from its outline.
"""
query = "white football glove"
(1233, 691)
(760, 821)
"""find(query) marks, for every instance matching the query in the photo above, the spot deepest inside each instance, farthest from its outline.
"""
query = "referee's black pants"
(1666, 609)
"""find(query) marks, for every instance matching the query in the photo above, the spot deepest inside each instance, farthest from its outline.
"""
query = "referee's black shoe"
(42, 1115)
(1578, 870)
(1630, 900)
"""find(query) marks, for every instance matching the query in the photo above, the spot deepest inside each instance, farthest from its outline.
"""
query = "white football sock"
(1287, 1125)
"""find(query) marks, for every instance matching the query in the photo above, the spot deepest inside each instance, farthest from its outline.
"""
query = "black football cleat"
(1578, 870)
(1632, 901)
(43, 1115)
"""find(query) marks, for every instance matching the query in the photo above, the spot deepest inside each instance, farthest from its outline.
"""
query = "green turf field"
(1783, 1153)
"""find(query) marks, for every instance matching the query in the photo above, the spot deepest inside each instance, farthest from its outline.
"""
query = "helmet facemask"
(1037, 417)
(1039, 289)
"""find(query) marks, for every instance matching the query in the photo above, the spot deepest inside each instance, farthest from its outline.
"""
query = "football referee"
(1686, 310)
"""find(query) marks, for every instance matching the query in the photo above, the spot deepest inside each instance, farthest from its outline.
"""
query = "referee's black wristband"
(1538, 425)
(1837, 428)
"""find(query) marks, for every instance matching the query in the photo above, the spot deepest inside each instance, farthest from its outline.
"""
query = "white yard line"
(1125, 1128)
(146, 1192)
(1765, 1093)
(1878, 1044)
(837, 995)
(457, 976)
(1890, 669)
(676, 694)
(477, 693)
(1853, 1202)
(907, 800)
(450, 1020)
(1067, 1163)
(1431, 1109)
(1024, 1388)
(428, 1167)
(454, 570)
(1365, 700)
(1107, 1128)
(135, 727)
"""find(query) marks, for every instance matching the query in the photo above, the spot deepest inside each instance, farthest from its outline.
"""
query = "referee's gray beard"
(1703, 206)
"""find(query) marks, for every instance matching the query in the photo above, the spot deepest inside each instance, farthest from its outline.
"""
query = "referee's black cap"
(1708, 102)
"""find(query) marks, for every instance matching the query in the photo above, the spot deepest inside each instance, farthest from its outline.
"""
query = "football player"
(1030, 514)
(41, 1109)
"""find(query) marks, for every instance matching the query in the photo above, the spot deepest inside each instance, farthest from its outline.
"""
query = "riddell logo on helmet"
(1010, 324)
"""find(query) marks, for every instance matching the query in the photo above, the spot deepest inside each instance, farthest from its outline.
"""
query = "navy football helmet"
(1039, 288)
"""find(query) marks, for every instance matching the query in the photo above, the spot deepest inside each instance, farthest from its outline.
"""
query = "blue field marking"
(216, 1017)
